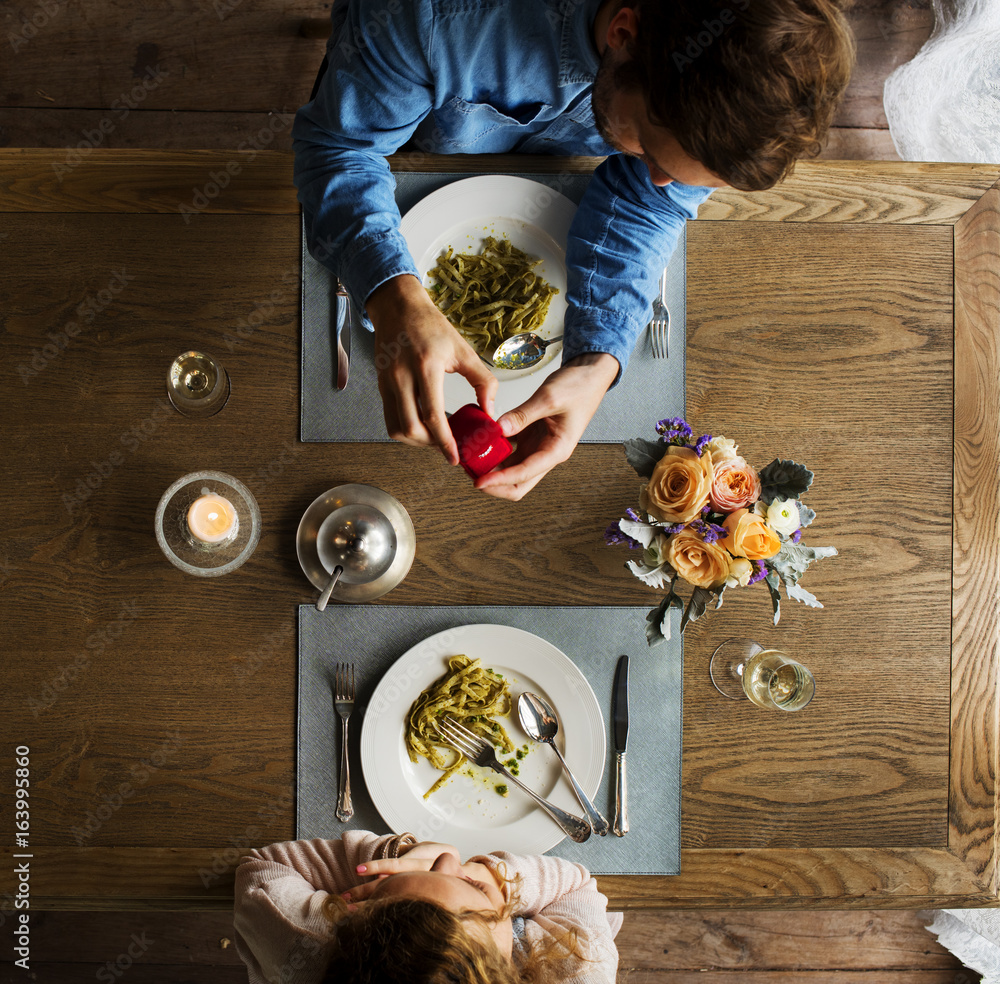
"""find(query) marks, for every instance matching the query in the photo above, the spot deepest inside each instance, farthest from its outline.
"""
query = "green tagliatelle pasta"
(473, 696)
(491, 295)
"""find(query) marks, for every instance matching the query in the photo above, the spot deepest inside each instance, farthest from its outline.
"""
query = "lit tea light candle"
(212, 519)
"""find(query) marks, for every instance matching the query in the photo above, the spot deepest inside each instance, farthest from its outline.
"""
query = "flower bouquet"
(709, 518)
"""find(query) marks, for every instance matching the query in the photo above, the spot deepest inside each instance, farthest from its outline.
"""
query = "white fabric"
(972, 935)
(944, 104)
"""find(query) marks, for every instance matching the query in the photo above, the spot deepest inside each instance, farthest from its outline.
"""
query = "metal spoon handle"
(599, 824)
(328, 590)
(578, 829)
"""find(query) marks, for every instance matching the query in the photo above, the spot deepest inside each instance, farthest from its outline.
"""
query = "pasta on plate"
(491, 295)
(471, 694)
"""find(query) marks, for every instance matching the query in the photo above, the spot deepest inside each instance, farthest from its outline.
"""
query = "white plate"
(467, 811)
(534, 218)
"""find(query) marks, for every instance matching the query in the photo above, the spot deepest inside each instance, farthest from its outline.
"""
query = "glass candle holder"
(197, 384)
(207, 523)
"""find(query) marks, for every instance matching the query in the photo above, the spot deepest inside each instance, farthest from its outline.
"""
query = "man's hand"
(414, 347)
(549, 424)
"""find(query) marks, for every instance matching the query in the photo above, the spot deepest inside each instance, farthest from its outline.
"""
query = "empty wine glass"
(197, 384)
(744, 669)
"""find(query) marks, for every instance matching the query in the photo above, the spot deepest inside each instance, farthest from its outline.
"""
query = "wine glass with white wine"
(744, 669)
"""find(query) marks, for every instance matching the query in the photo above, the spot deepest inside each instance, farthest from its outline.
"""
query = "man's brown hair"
(746, 86)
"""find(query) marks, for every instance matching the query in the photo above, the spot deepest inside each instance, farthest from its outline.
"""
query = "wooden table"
(847, 319)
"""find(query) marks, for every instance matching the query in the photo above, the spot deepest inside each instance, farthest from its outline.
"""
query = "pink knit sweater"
(283, 935)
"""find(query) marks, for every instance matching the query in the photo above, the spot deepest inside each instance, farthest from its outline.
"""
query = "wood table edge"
(868, 878)
(973, 793)
(190, 183)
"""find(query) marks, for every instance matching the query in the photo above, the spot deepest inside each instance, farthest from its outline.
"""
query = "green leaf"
(773, 582)
(793, 560)
(783, 479)
(806, 515)
(697, 604)
(658, 620)
(800, 594)
(643, 455)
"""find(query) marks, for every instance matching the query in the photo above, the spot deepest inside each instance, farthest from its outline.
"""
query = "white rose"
(722, 449)
(739, 572)
(655, 554)
(783, 516)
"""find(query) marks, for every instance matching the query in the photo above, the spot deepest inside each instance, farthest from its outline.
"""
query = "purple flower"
(673, 430)
(633, 515)
(613, 535)
(699, 446)
(709, 532)
(759, 574)
(796, 536)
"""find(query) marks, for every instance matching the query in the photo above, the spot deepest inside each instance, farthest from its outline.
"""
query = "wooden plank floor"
(211, 76)
(656, 948)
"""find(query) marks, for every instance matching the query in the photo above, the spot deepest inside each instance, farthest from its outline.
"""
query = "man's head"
(743, 87)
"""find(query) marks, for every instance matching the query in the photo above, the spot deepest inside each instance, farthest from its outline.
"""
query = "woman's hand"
(548, 425)
(418, 857)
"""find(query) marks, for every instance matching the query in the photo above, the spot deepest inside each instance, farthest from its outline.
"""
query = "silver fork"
(659, 327)
(480, 751)
(343, 703)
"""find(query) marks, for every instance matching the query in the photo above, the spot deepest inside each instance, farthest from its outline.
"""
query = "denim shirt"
(479, 76)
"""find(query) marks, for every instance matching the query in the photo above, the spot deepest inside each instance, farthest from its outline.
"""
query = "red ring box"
(481, 444)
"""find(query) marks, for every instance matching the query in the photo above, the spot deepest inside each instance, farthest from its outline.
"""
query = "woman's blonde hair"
(414, 941)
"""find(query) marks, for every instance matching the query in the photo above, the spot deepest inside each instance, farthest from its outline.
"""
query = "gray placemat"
(373, 637)
(650, 389)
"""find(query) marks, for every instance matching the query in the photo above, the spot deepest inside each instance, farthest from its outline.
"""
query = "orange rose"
(705, 565)
(749, 536)
(735, 484)
(678, 489)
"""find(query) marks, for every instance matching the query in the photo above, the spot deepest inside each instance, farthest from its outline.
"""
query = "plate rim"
(541, 834)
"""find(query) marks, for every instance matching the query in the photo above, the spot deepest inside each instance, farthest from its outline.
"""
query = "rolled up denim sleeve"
(624, 232)
(375, 92)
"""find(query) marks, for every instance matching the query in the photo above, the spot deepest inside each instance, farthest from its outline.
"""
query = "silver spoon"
(540, 724)
(522, 351)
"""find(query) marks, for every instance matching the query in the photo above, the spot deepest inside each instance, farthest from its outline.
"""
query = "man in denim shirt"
(680, 97)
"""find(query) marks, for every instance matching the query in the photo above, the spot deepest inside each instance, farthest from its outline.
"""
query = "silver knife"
(619, 720)
(342, 316)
